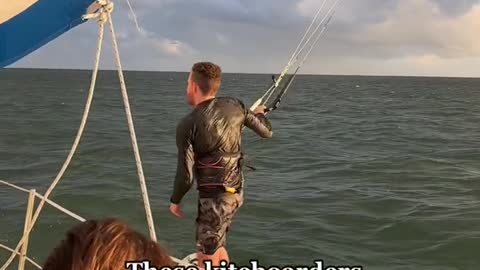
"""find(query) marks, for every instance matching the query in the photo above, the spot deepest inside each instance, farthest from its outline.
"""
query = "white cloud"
(430, 64)
(364, 37)
(418, 27)
(171, 47)
(222, 39)
(163, 45)
(309, 8)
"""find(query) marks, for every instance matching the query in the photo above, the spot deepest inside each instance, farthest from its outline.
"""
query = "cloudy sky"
(366, 37)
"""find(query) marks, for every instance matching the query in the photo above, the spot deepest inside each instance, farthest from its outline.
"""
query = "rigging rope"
(318, 26)
(132, 132)
(295, 57)
(306, 32)
(134, 16)
(105, 9)
(75, 144)
(104, 15)
(19, 254)
(55, 205)
(279, 97)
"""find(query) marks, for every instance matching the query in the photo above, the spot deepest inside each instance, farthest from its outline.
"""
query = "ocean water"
(382, 172)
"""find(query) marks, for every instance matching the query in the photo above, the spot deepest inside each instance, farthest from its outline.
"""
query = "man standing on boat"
(209, 149)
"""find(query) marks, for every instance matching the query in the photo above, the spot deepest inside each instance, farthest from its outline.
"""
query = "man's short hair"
(208, 76)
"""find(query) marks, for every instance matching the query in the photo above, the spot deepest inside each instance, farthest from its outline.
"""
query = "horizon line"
(261, 73)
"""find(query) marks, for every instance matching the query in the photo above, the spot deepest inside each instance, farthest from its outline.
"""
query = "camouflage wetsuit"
(209, 150)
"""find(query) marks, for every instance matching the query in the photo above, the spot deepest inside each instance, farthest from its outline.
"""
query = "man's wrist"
(172, 201)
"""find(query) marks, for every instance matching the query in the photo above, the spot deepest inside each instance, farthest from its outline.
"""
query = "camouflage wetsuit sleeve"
(258, 123)
(185, 162)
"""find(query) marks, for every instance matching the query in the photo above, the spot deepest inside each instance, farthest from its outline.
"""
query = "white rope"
(261, 100)
(186, 261)
(268, 94)
(182, 262)
(134, 16)
(302, 62)
(73, 149)
(18, 253)
(132, 133)
(313, 45)
(57, 206)
(318, 26)
(298, 51)
(308, 29)
(103, 15)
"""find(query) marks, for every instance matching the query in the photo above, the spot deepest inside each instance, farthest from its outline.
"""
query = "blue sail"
(26, 25)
